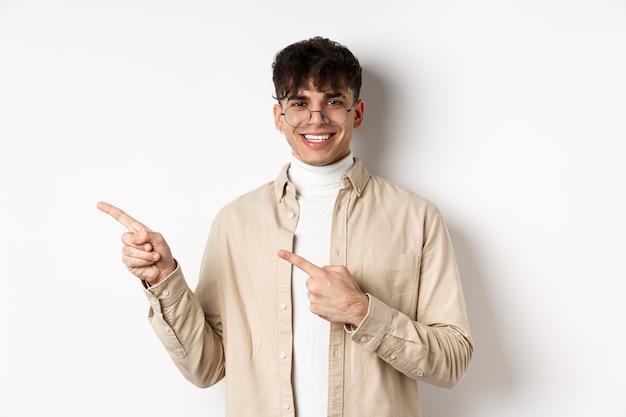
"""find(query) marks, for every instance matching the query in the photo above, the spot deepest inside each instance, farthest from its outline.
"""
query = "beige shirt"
(238, 324)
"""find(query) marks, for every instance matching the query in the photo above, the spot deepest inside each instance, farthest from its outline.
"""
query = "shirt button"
(166, 293)
(363, 339)
(420, 373)
(286, 406)
(291, 215)
(393, 356)
(283, 306)
(283, 355)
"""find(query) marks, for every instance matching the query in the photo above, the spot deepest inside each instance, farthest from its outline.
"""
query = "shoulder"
(250, 202)
(386, 191)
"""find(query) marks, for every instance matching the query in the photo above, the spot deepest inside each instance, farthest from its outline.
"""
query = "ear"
(359, 110)
(278, 118)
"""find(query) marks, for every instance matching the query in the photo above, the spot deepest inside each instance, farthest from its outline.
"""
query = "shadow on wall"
(488, 379)
(383, 135)
(371, 139)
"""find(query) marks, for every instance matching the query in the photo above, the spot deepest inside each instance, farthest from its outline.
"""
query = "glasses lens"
(299, 116)
(335, 115)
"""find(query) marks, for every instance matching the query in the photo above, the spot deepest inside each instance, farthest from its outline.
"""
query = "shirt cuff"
(168, 291)
(374, 326)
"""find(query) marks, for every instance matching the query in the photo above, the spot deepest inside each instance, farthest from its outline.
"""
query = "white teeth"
(316, 138)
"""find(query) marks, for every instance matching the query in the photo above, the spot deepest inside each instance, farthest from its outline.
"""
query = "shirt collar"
(357, 178)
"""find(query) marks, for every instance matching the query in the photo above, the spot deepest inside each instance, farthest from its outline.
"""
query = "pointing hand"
(333, 292)
(145, 253)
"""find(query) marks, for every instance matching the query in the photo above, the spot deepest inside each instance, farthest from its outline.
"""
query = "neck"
(305, 175)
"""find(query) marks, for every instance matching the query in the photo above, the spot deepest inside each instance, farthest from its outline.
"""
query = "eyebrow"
(306, 98)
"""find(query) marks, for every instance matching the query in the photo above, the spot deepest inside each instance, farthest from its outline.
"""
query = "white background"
(510, 115)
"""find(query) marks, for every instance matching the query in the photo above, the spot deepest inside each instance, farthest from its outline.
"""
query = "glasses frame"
(321, 114)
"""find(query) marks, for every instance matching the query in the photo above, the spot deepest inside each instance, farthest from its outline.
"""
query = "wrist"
(162, 276)
(360, 311)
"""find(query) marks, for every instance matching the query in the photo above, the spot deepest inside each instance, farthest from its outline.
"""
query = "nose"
(322, 119)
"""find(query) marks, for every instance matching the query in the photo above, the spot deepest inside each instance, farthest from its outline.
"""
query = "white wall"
(509, 115)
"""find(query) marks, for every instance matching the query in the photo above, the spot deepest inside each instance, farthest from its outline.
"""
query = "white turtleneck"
(316, 189)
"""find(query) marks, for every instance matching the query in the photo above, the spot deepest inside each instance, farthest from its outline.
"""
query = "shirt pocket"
(391, 277)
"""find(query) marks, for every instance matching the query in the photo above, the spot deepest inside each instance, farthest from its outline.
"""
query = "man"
(348, 339)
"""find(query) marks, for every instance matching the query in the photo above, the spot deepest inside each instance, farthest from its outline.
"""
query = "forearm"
(178, 320)
(436, 354)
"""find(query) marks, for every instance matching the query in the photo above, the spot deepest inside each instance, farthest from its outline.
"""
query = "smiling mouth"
(317, 138)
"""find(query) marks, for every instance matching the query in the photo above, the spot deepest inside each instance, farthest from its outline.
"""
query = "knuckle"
(126, 238)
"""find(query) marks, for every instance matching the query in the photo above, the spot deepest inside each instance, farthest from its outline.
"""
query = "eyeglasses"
(332, 114)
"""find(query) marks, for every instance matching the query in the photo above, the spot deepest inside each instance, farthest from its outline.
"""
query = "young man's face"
(324, 138)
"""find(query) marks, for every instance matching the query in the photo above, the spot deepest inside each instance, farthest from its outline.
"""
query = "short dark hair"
(326, 63)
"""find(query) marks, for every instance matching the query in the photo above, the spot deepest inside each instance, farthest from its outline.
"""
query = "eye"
(298, 104)
(334, 103)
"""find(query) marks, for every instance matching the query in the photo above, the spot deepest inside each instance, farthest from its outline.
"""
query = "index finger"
(299, 262)
(119, 215)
